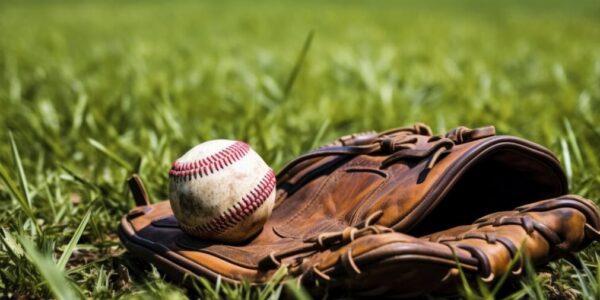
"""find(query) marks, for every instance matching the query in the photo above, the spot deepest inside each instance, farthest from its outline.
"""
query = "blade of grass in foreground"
(23, 184)
(22, 178)
(13, 249)
(57, 283)
(64, 258)
(272, 286)
(567, 160)
(110, 154)
(14, 191)
(573, 142)
(296, 291)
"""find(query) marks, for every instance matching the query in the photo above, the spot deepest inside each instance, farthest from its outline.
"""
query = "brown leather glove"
(383, 262)
(413, 182)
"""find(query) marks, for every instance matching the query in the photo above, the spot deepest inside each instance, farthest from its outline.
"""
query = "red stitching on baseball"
(210, 164)
(247, 206)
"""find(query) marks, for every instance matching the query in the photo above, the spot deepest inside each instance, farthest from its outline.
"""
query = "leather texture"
(371, 192)
(381, 262)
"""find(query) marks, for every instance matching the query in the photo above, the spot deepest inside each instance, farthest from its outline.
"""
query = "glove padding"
(383, 262)
(404, 179)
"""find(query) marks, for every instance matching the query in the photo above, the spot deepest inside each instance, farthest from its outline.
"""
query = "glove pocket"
(327, 204)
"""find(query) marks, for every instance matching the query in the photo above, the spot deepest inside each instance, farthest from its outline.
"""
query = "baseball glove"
(372, 260)
(404, 180)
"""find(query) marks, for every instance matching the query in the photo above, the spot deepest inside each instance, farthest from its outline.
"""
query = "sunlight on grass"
(93, 91)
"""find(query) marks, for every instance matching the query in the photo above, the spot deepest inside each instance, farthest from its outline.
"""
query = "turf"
(91, 92)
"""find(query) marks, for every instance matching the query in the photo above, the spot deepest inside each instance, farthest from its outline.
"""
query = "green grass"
(94, 91)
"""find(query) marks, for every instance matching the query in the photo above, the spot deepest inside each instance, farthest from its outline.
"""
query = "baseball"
(221, 190)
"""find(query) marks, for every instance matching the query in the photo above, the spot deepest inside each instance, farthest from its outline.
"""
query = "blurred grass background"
(94, 91)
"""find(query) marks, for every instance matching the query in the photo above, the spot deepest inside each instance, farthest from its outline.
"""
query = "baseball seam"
(241, 210)
(209, 164)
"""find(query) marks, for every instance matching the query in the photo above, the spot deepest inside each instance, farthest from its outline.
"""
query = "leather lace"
(328, 240)
(399, 143)
(530, 225)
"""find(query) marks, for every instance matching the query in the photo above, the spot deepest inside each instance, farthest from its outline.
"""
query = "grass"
(91, 92)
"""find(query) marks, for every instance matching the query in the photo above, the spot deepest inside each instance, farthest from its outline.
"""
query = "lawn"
(91, 92)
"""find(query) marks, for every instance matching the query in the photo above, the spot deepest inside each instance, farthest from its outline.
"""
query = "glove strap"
(138, 191)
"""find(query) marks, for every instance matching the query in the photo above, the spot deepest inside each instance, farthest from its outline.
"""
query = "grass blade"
(14, 191)
(64, 258)
(13, 249)
(567, 160)
(78, 178)
(296, 291)
(299, 62)
(17, 194)
(22, 178)
(113, 156)
(55, 279)
(23, 182)
(218, 285)
(100, 283)
(271, 286)
(466, 291)
(499, 283)
(320, 134)
(574, 144)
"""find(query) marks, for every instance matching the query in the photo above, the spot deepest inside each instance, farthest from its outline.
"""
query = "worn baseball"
(221, 190)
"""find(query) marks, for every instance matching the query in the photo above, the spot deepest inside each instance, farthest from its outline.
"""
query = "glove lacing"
(401, 143)
(328, 240)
